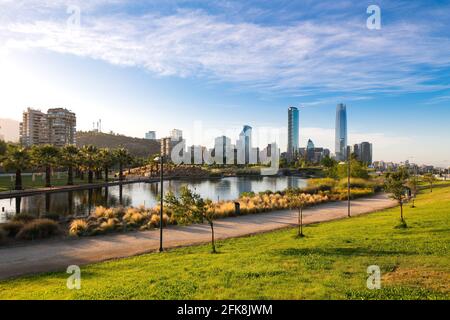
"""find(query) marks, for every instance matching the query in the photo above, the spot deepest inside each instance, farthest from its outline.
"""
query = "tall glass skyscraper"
(245, 144)
(341, 132)
(293, 130)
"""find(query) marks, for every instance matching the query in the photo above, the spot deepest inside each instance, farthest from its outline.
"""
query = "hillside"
(137, 147)
(9, 130)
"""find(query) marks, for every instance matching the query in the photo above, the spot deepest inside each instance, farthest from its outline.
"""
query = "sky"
(209, 67)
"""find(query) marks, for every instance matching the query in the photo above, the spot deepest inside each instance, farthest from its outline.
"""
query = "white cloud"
(301, 58)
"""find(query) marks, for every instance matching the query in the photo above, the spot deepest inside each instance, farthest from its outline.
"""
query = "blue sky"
(158, 65)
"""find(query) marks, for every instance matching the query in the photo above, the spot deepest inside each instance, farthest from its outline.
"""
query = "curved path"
(54, 255)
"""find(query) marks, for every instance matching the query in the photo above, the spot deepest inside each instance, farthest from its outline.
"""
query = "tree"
(123, 158)
(3, 148)
(70, 157)
(90, 160)
(18, 159)
(45, 156)
(190, 207)
(395, 185)
(298, 202)
(430, 179)
(107, 160)
(357, 170)
(413, 184)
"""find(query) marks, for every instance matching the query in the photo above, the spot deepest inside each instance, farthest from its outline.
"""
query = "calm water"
(80, 203)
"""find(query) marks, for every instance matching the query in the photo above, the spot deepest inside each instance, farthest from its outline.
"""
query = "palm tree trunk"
(48, 172)
(18, 185)
(90, 176)
(212, 237)
(70, 176)
(106, 174)
(120, 171)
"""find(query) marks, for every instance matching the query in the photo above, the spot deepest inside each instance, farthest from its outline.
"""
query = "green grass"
(329, 263)
(6, 184)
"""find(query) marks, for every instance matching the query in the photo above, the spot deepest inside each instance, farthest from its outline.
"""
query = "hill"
(137, 147)
(9, 130)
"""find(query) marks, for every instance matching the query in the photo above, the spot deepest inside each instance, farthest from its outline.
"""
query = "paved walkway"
(53, 255)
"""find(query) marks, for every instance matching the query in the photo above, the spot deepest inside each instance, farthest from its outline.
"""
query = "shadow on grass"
(358, 251)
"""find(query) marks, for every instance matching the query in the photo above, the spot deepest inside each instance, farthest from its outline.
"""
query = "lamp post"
(349, 158)
(161, 167)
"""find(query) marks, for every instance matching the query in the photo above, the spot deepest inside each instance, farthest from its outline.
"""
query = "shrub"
(12, 228)
(3, 236)
(23, 217)
(102, 212)
(134, 217)
(51, 216)
(78, 227)
(154, 220)
(39, 229)
(109, 225)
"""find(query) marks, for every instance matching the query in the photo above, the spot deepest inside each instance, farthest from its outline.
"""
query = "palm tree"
(89, 155)
(107, 160)
(18, 159)
(123, 157)
(70, 156)
(45, 156)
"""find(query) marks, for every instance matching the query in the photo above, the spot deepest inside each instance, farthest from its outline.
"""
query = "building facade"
(293, 133)
(62, 125)
(341, 132)
(244, 146)
(151, 135)
(222, 150)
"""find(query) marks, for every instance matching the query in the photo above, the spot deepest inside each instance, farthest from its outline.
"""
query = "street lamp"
(161, 167)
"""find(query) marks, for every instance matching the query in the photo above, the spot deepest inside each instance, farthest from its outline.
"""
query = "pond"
(82, 202)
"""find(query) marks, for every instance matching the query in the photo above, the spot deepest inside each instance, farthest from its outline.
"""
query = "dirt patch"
(420, 277)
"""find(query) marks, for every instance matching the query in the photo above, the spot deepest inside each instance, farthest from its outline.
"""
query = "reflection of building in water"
(292, 182)
(222, 189)
(244, 185)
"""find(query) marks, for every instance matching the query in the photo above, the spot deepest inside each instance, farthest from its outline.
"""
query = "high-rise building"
(341, 132)
(56, 127)
(293, 132)
(61, 127)
(357, 151)
(222, 150)
(176, 135)
(310, 151)
(365, 153)
(33, 128)
(151, 135)
(244, 145)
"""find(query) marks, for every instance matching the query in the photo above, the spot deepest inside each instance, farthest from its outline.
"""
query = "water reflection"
(81, 203)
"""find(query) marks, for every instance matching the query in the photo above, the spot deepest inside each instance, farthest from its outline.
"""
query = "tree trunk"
(300, 222)
(106, 174)
(18, 185)
(70, 176)
(90, 176)
(48, 172)
(82, 175)
(401, 210)
(431, 186)
(120, 172)
(212, 238)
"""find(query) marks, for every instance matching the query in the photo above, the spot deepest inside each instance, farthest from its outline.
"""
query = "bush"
(12, 228)
(3, 236)
(109, 225)
(39, 229)
(51, 216)
(78, 227)
(23, 217)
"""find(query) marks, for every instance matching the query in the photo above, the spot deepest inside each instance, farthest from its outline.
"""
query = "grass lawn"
(6, 184)
(329, 263)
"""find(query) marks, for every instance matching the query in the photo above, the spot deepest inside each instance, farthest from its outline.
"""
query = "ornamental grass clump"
(78, 228)
(39, 229)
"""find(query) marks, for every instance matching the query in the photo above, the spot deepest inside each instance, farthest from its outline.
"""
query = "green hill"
(137, 147)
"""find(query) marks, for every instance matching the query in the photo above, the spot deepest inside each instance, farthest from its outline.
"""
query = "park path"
(57, 255)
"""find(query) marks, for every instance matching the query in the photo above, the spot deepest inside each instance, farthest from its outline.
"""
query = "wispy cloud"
(300, 58)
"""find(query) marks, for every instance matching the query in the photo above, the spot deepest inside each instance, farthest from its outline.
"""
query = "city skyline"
(398, 99)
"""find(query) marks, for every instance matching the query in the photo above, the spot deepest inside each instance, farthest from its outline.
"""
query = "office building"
(61, 124)
(293, 133)
(222, 150)
(244, 146)
(341, 132)
(151, 135)
(176, 135)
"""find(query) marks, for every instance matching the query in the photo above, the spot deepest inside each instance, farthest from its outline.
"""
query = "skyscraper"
(222, 149)
(341, 132)
(366, 153)
(176, 135)
(244, 145)
(61, 126)
(293, 130)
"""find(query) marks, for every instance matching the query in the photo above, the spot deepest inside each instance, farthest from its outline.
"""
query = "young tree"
(412, 184)
(45, 156)
(18, 159)
(70, 156)
(395, 185)
(430, 179)
(190, 207)
(298, 202)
